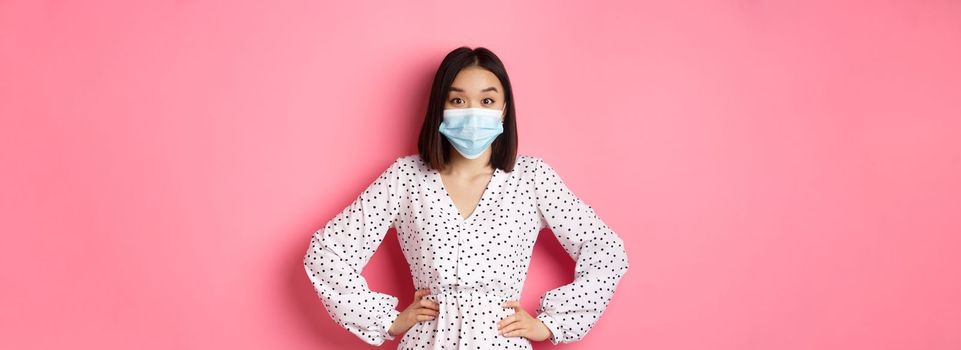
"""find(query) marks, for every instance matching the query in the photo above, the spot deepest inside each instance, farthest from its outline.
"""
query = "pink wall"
(787, 175)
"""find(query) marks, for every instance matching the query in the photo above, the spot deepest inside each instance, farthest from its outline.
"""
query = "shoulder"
(410, 164)
(543, 173)
(526, 158)
(409, 160)
(527, 163)
(533, 163)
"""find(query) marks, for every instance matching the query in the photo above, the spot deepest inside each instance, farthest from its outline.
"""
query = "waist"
(486, 291)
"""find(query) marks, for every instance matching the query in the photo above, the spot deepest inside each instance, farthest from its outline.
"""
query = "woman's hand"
(522, 324)
(419, 310)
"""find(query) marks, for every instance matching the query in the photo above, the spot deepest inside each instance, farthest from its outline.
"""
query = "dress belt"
(475, 290)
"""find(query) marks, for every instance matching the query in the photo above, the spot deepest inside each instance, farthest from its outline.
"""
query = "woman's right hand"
(419, 310)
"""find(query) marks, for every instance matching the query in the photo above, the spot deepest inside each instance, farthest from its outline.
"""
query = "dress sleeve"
(571, 310)
(339, 251)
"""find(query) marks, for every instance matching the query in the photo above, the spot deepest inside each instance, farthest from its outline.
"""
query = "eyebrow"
(462, 90)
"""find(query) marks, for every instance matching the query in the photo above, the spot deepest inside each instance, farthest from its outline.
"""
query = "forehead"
(475, 79)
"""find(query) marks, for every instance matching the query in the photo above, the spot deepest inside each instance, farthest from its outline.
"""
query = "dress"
(470, 265)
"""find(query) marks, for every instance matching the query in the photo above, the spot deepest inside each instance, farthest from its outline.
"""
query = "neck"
(458, 164)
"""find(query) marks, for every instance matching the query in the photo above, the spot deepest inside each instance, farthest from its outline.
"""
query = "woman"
(467, 210)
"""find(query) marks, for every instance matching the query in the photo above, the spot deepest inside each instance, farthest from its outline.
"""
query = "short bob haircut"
(435, 149)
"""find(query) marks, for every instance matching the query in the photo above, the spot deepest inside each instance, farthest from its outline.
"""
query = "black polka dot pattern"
(571, 310)
(471, 265)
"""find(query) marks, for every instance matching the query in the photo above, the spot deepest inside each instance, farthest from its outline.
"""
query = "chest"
(442, 212)
(465, 193)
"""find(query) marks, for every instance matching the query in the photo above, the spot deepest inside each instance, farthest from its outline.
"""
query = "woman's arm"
(339, 251)
(571, 310)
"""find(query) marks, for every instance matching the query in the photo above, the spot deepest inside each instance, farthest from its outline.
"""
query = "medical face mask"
(471, 130)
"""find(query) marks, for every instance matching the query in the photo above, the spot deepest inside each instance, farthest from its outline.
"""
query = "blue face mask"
(471, 130)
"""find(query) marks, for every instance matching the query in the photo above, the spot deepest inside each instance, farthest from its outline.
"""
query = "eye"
(455, 100)
(491, 100)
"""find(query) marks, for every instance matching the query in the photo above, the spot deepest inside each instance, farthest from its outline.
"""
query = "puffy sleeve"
(571, 310)
(339, 251)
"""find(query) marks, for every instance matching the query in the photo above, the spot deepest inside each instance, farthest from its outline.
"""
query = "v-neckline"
(478, 208)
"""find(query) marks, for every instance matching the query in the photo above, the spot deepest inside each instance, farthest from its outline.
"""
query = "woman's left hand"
(522, 324)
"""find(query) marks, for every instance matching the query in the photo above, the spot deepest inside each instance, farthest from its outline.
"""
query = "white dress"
(470, 265)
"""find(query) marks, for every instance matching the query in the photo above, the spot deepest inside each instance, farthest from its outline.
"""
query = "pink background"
(787, 175)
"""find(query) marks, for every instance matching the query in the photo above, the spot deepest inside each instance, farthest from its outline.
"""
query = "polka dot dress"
(471, 265)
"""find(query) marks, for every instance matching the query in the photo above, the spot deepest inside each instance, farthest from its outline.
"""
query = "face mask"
(471, 130)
